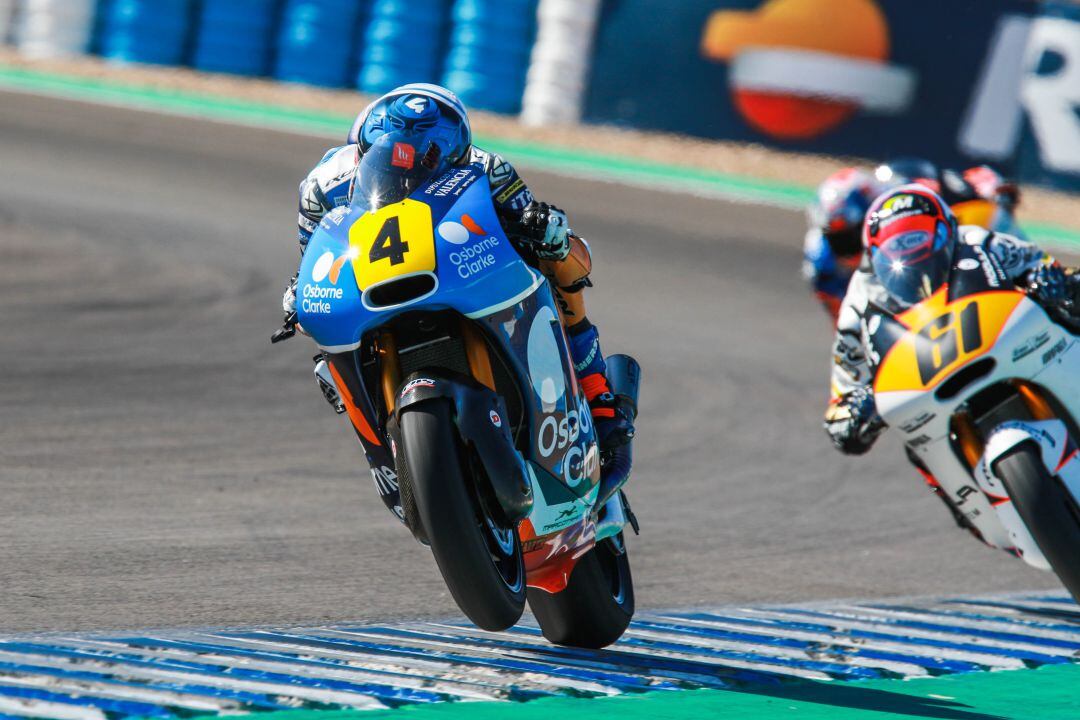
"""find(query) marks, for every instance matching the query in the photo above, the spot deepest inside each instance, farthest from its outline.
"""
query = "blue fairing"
(481, 276)
(821, 268)
(477, 274)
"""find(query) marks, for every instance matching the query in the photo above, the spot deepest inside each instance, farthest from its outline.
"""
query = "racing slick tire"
(597, 604)
(481, 563)
(1047, 510)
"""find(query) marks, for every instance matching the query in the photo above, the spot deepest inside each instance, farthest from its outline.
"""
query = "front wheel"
(597, 604)
(1047, 511)
(481, 562)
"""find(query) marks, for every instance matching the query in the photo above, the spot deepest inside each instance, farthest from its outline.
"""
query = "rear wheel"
(597, 604)
(480, 561)
(1046, 509)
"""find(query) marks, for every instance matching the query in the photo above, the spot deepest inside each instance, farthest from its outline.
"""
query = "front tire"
(597, 604)
(481, 563)
(1046, 509)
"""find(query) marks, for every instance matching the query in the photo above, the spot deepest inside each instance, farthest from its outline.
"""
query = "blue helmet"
(420, 108)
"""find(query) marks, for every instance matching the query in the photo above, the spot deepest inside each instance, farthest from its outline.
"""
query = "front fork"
(1057, 451)
(354, 401)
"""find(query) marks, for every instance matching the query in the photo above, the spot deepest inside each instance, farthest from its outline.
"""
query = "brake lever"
(286, 331)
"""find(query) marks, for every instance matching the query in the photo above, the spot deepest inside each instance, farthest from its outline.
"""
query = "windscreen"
(395, 165)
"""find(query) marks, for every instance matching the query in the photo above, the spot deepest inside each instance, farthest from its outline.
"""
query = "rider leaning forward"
(437, 118)
(910, 238)
(833, 247)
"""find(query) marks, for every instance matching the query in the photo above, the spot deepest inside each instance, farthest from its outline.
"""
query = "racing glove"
(1047, 285)
(1056, 291)
(853, 423)
(288, 299)
(544, 230)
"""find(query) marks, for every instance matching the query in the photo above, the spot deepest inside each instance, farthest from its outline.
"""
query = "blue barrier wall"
(147, 31)
(961, 82)
(236, 36)
(404, 43)
(317, 42)
(489, 52)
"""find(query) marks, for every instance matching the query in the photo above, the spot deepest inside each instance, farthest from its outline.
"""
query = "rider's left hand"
(1048, 286)
(545, 231)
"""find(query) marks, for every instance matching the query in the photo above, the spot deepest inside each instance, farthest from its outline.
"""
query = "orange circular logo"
(798, 68)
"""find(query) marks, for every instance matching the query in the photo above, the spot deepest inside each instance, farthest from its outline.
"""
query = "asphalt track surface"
(161, 464)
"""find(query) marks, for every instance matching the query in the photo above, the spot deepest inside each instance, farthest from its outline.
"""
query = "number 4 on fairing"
(388, 243)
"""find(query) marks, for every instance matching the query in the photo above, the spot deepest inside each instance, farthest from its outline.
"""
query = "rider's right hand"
(853, 423)
(1057, 291)
(288, 299)
(1047, 285)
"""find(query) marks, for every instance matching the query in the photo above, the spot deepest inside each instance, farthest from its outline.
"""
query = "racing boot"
(613, 422)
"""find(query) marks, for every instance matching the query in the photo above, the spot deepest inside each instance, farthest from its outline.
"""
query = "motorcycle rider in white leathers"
(851, 419)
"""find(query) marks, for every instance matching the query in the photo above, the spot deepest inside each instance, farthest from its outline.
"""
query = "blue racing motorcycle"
(450, 357)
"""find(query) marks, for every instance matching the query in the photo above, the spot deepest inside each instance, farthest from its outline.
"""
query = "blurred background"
(161, 464)
(960, 82)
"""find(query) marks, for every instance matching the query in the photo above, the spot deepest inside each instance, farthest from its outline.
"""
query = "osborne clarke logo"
(458, 233)
(404, 156)
(799, 68)
(328, 267)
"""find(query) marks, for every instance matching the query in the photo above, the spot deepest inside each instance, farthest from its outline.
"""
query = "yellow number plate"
(393, 241)
(942, 337)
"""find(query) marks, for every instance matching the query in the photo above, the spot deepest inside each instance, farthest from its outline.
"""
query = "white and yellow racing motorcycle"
(982, 383)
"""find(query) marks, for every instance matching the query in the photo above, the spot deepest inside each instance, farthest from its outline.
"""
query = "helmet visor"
(914, 265)
(393, 168)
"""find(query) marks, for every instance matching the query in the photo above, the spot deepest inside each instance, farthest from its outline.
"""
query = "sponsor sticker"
(386, 480)
(1030, 345)
(1057, 349)
(417, 383)
(471, 259)
(404, 156)
(508, 193)
(418, 105)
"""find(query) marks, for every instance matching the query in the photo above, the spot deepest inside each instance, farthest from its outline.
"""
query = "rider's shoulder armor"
(974, 235)
(507, 188)
(327, 185)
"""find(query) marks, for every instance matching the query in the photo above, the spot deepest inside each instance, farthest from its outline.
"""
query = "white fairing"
(1030, 347)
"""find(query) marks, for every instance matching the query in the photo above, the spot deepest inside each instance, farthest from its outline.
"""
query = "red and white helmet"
(840, 208)
(910, 236)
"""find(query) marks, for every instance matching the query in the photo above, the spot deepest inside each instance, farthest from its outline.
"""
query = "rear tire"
(481, 563)
(597, 604)
(1046, 509)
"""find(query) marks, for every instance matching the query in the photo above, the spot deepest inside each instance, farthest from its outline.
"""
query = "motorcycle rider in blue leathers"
(833, 244)
(539, 231)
